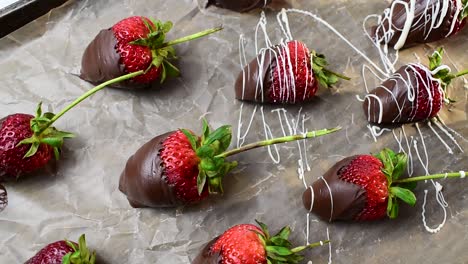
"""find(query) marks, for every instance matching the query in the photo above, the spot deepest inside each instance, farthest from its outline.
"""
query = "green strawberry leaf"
(201, 181)
(389, 205)
(171, 70)
(284, 232)
(404, 194)
(80, 255)
(39, 109)
(264, 229)
(282, 251)
(191, 137)
(325, 77)
(34, 148)
(408, 185)
(464, 14)
(53, 141)
(400, 162)
(205, 130)
(394, 210)
(435, 60)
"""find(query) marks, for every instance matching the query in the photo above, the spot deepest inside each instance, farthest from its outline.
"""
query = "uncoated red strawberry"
(65, 252)
(413, 93)
(287, 73)
(250, 244)
(14, 129)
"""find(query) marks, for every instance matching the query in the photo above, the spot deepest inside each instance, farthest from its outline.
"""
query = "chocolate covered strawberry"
(410, 22)
(413, 93)
(364, 188)
(64, 252)
(239, 5)
(28, 143)
(287, 74)
(180, 168)
(133, 44)
(251, 244)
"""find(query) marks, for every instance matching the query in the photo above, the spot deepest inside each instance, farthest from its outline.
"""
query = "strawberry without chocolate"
(364, 188)
(180, 168)
(287, 74)
(28, 143)
(413, 93)
(64, 252)
(133, 44)
(251, 244)
(410, 22)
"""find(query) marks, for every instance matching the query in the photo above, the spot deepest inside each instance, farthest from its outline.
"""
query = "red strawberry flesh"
(240, 245)
(51, 254)
(14, 129)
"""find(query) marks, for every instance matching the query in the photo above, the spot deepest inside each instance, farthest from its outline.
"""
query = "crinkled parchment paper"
(80, 195)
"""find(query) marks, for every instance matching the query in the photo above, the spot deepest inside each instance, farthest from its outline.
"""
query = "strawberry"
(180, 168)
(365, 188)
(430, 21)
(26, 144)
(413, 93)
(239, 6)
(133, 44)
(65, 252)
(250, 244)
(288, 73)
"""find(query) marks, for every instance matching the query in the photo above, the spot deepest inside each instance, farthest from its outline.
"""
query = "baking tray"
(39, 62)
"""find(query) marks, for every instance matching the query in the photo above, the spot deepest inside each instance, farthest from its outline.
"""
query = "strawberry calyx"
(212, 168)
(43, 133)
(80, 254)
(394, 165)
(279, 249)
(443, 73)
(464, 12)
(161, 51)
(325, 77)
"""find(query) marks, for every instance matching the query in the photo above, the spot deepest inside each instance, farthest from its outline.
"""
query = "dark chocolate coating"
(348, 199)
(101, 61)
(251, 75)
(239, 5)
(420, 25)
(396, 106)
(143, 179)
(206, 256)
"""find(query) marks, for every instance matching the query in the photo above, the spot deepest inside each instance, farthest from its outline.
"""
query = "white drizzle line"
(426, 163)
(241, 138)
(325, 23)
(447, 133)
(269, 135)
(441, 201)
(462, 174)
(331, 197)
(409, 152)
(450, 151)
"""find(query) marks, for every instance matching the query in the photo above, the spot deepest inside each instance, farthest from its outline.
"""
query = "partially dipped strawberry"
(64, 252)
(407, 23)
(239, 5)
(180, 168)
(413, 93)
(251, 244)
(286, 74)
(364, 188)
(133, 44)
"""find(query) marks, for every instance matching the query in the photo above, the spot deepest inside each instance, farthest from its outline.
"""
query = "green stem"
(317, 244)
(88, 94)
(460, 174)
(461, 73)
(191, 37)
(269, 142)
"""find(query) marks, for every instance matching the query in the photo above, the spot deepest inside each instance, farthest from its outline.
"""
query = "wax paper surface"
(80, 193)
